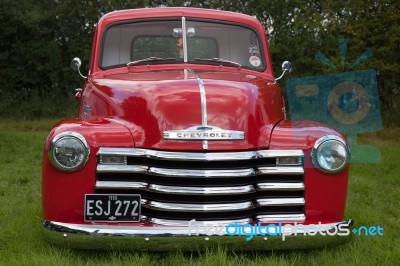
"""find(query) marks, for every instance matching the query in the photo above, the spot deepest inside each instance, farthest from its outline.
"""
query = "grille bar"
(238, 206)
(201, 173)
(284, 218)
(262, 218)
(281, 186)
(295, 170)
(120, 185)
(199, 190)
(196, 223)
(174, 189)
(141, 169)
(199, 207)
(194, 156)
(281, 202)
(134, 169)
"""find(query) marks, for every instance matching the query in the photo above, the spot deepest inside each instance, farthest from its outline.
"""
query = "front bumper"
(161, 238)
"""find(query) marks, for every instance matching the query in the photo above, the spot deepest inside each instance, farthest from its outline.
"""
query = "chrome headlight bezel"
(330, 141)
(79, 140)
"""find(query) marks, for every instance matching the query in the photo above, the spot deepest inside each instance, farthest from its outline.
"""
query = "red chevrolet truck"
(182, 142)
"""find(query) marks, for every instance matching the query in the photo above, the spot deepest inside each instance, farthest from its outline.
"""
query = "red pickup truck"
(182, 142)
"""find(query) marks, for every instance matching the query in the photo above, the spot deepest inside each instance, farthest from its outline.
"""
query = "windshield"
(200, 43)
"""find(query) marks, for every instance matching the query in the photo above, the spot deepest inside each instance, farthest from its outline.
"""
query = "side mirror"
(286, 67)
(76, 65)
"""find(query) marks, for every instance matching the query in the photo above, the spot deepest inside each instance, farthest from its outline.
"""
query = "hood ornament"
(203, 133)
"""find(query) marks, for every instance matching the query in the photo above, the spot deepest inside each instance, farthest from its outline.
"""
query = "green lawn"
(373, 199)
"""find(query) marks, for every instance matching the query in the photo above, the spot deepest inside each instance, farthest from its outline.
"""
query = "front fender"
(325, 193)
(63, 192)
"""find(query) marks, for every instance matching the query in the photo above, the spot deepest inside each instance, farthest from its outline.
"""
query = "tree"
(40, 38)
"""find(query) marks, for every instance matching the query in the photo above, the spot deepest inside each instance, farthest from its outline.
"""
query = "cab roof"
(161, 12)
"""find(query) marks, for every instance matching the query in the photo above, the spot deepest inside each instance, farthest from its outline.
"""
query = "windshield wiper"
(219, 60)
(149, 59)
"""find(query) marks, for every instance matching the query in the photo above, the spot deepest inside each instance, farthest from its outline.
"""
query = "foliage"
(39, 38)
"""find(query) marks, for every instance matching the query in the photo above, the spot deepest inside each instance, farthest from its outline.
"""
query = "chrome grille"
(176, 187)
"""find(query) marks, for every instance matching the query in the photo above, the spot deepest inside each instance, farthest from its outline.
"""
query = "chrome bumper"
(162, 238)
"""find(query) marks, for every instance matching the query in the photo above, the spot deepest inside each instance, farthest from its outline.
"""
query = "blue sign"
(347, 101)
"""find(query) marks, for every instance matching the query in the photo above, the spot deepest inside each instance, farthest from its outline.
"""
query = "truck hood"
(154, 102)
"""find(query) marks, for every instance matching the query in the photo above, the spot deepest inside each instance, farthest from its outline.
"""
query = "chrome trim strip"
(164, 238)
(281, 186)
(107, 168)
(194, 156)
(188, 207)
(281, 218)
(120, 185)
(203, 100)
(281, 202)
(197, 223)
(202, 97)
(202, 190)
(141, 169)
(234, 190)
(111, 230)
(199, 190)
(185, 57)
(280, 153)
(201, 173)
(282, 170)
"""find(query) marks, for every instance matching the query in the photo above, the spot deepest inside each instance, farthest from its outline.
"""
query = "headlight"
(330, 154)
(69, 151)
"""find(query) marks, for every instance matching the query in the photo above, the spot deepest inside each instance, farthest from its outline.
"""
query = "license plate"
(112, 208)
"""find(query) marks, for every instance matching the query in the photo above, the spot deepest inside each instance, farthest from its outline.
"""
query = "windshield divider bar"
(185, 59)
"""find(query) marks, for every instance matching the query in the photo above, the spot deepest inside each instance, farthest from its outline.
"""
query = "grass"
(373, 199)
